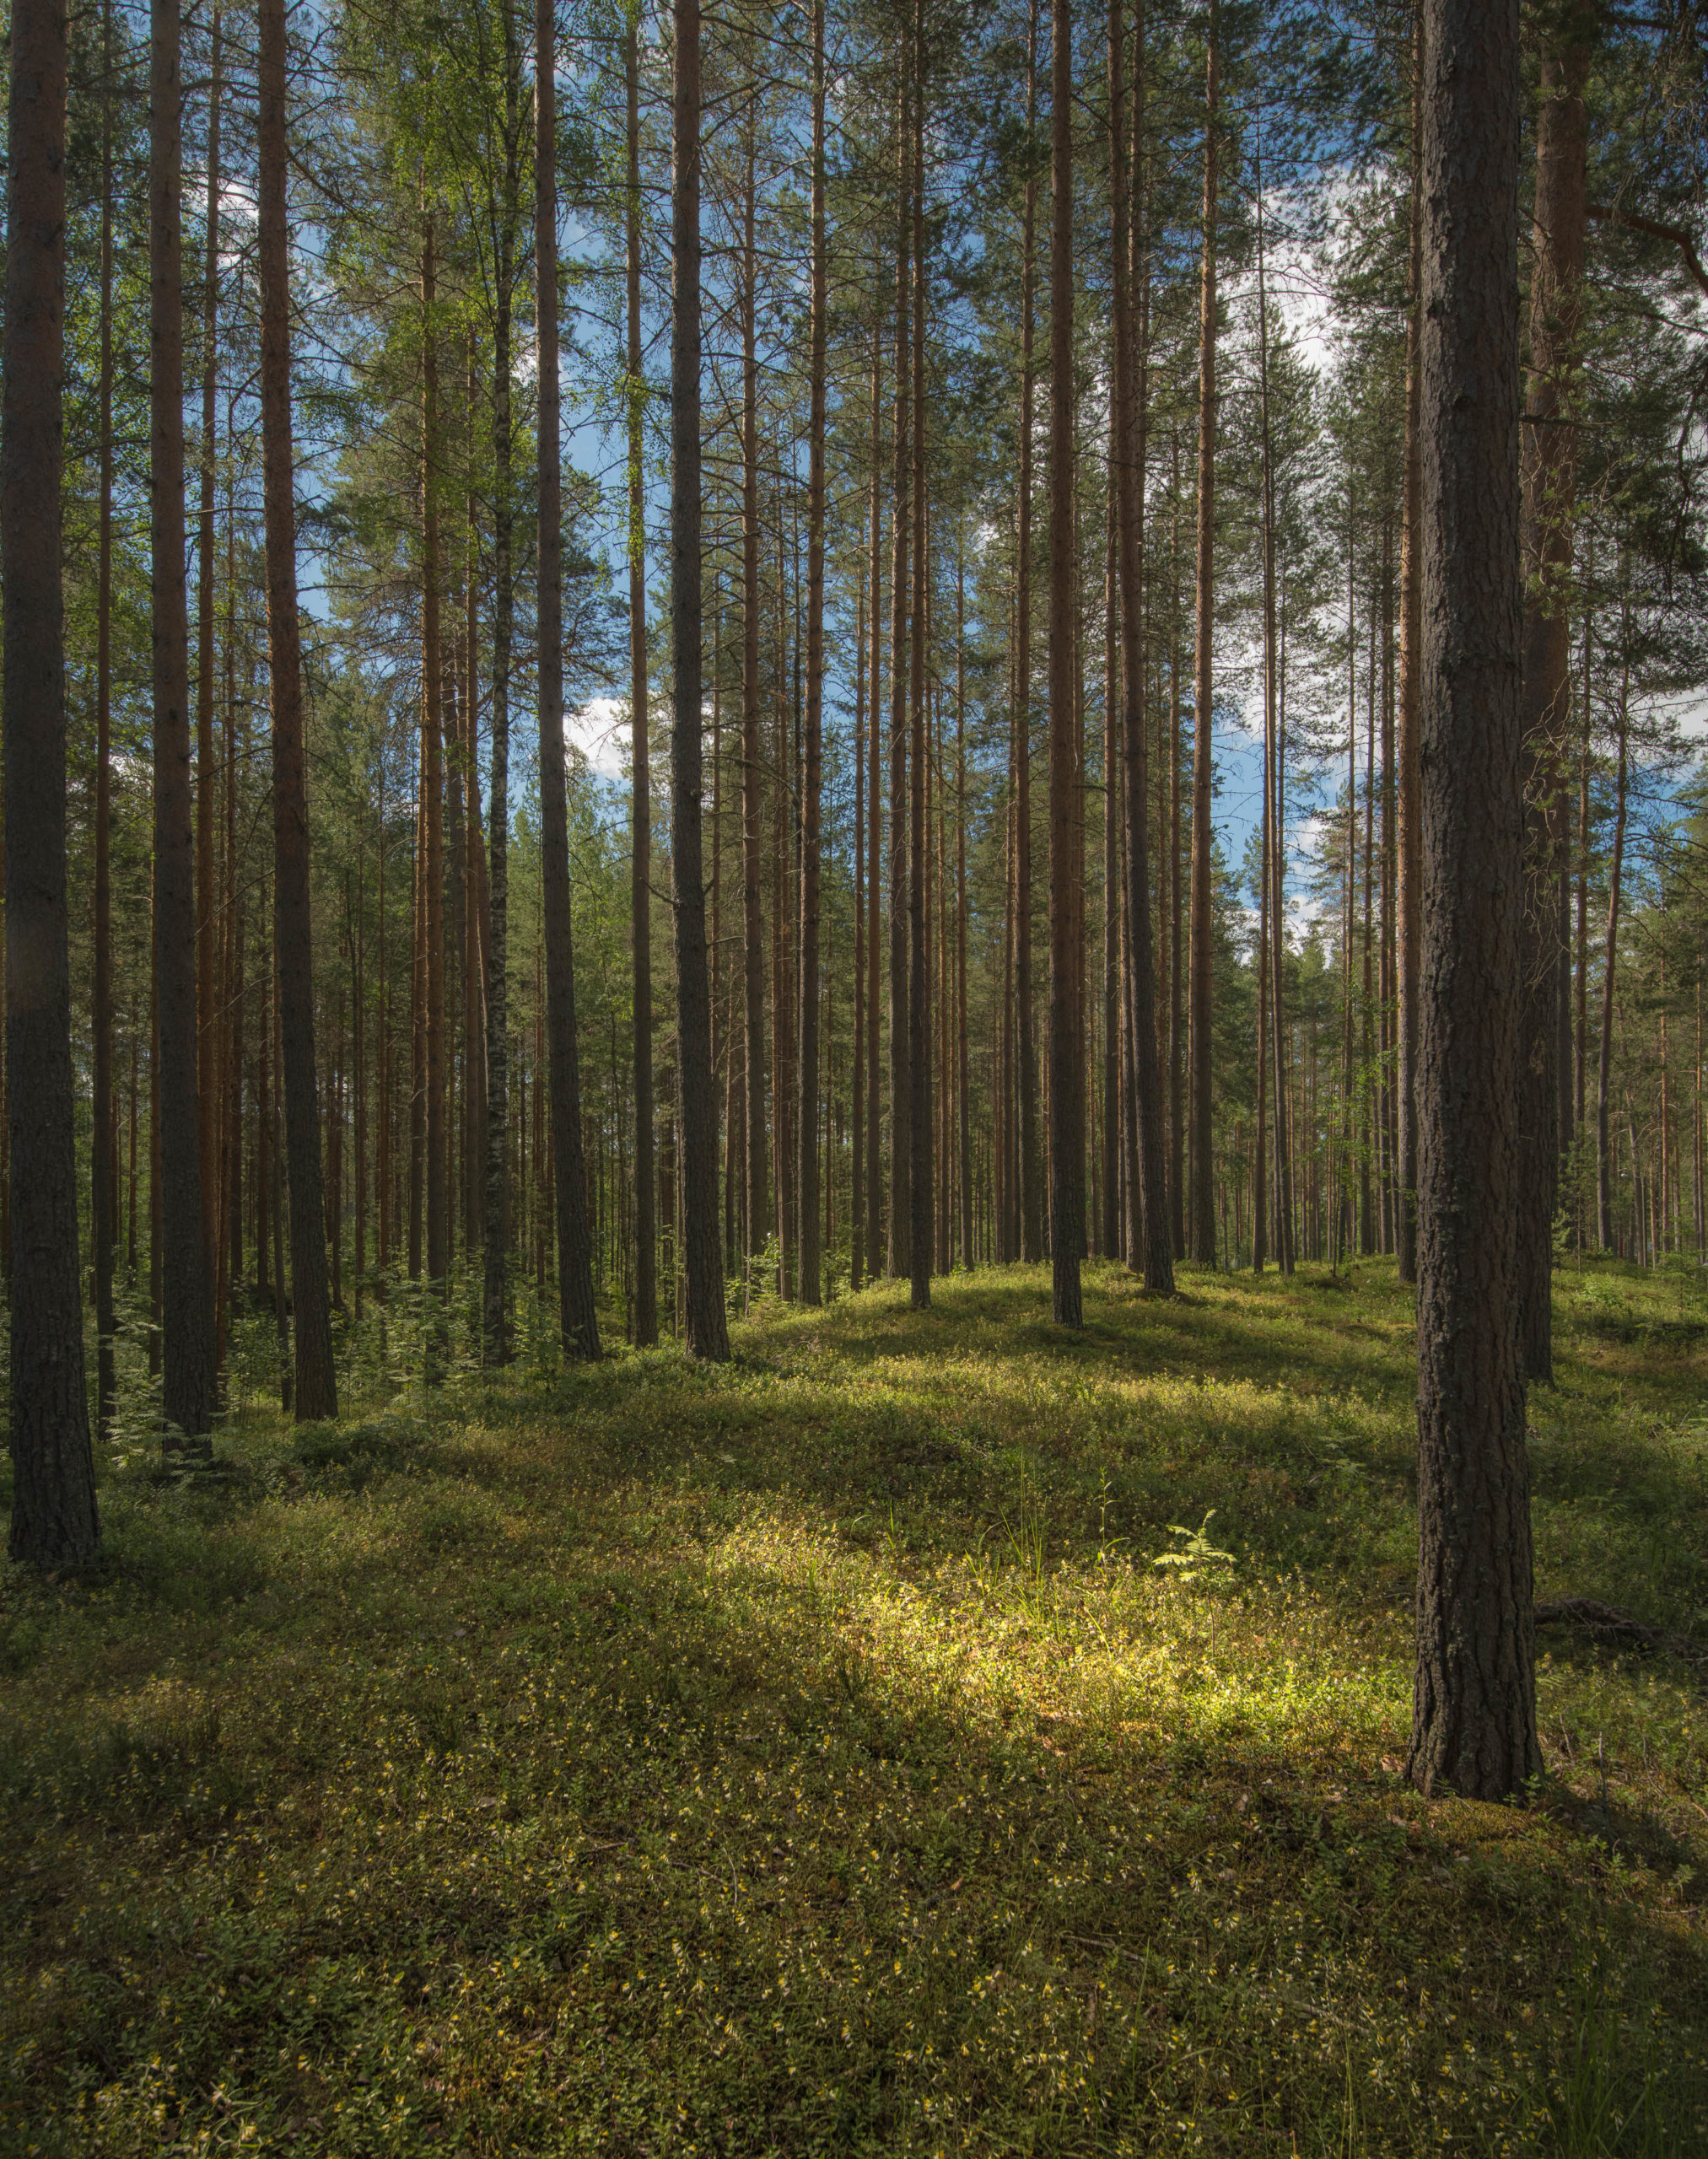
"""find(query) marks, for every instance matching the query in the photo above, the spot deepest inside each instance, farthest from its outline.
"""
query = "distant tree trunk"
(920, 1192)
(495, 1296)
(432, 802)
(316, 1387)
(857, 1219)
(102, 1174)
(1410, 646)
(54, 1524)
(1152, 1250)
(875, 834)
(577, 1317)
(1067, 1077)
(186, 1308)
(1604, 1151)
(1474, 1729)
(963, 1074)
(1177, 1106)
(811, 1258)
(1549, 460)
(756, 1137)
(474, 999)
(1030, 1194)
(207, 985)
(707, 1327)
(900, 536)
(645, 1325)
(1275, 851)
(1202, 1048)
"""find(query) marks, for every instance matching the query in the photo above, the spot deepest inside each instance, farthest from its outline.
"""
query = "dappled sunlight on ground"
(813, 1755)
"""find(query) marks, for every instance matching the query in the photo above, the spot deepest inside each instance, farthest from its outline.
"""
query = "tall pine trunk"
(1408, 947)
(186, 1307)
(495, 1288)
(1152, 1250)
(433, 795)
(645, 1302)
(102, 1174)
(207, 984)
(707, 1327)
(578, 1321)
(1031, 1180)
(900, 535)
(1067, 1073)
(811, 1259)
(1473, 1719)
(1201, 1049)
(920, 1194)
(54, 1520)
(315, 1393)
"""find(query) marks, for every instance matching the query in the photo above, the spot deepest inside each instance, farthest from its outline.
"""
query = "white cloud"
(599, 729)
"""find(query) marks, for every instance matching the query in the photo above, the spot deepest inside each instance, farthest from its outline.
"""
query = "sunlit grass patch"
(813, 1755)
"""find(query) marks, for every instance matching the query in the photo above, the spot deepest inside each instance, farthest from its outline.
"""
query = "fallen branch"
(1618, 1628)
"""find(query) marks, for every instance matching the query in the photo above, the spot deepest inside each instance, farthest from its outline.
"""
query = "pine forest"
(856, 1190)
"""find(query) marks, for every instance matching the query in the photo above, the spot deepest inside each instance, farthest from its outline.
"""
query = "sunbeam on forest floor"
(811, 1755)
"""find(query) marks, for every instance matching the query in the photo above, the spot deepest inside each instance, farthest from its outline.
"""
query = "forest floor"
(809, 1755)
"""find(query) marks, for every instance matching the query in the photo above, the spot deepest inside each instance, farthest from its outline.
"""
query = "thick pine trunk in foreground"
(578, 1321)
(186, 1307)
(1474, 1729)
(1067, 1073)
(54, 1521)
(315, 1393)
(1549, 461)
(707, 1326)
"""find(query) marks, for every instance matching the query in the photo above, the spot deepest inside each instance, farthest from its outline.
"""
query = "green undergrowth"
(809, 1755)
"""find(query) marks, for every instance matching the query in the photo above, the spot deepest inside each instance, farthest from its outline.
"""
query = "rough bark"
(578, 1321)
(54, 1524)
(186, 1307)
(707, 1327)
(315, 1393)
(1473, 1728)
